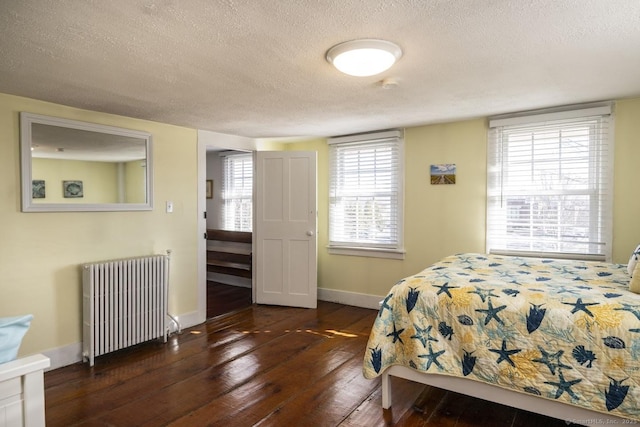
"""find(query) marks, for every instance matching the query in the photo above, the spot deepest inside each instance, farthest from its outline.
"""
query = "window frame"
(393, 250)
(246, 196)
(599, 192)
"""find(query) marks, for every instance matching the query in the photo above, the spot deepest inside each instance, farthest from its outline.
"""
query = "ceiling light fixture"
(365, 57)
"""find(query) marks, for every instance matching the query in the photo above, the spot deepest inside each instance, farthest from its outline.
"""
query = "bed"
(556, 337)
(22, 391)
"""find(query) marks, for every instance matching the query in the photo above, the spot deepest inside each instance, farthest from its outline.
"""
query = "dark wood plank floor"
(264, 365)
(223, 299)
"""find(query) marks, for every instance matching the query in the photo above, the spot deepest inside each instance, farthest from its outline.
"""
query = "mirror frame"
(26, 121)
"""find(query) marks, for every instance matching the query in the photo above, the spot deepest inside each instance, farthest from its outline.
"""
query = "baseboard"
(63, 356)
(350, 298)
(72, 353)
(185, 320)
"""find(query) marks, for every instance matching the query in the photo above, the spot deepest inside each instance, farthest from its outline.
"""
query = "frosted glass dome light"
(366, 57)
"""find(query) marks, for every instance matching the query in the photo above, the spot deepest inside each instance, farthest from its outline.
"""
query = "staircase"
(229, 255)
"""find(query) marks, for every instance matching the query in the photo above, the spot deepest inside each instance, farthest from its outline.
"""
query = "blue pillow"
(12, 330)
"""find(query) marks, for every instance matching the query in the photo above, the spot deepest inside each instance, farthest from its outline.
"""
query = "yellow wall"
(41, 253)
(444, 219)
(439, 219)
(135, 181)
(99, 180)
(626, 200)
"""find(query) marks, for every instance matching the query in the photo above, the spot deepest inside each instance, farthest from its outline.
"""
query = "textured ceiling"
(256, 68)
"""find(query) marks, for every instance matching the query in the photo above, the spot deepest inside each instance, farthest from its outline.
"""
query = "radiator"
(124, 303)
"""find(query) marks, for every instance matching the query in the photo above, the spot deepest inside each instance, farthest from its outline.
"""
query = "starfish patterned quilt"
(558, 329)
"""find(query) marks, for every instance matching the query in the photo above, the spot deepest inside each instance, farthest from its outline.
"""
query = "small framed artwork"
(209, 189)
(38, 189)
(443, 174)
(72, 189)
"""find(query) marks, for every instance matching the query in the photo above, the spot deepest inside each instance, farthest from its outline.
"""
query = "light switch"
(169, 206)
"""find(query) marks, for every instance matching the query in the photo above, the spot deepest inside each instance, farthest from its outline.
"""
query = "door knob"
(309, 233)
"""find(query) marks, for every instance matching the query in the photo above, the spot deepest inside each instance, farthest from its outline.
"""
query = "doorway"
(284, 258)
(225, 282)
(229, 236)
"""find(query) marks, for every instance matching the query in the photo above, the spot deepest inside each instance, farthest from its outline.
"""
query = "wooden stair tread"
(227, 264)
(229, 252)
(229, 236)
(228, 249)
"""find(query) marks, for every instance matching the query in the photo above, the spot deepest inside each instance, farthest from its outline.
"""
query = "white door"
(285, 244)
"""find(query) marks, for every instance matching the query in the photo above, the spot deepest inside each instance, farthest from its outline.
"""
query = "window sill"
(367, 252)
(552, 255)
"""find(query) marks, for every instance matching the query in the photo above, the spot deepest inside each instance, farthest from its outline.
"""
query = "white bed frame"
(22, 392)
(527, 402)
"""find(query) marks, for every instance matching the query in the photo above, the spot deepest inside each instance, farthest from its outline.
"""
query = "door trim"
(208, 139)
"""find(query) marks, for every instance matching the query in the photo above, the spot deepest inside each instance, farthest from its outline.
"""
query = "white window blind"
(237, 192)
(549, 185)
(365, 191)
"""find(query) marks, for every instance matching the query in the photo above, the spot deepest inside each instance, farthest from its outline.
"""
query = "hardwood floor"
(223, 299)
(264, 365)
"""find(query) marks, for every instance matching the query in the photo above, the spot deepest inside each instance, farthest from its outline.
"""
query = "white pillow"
(634, 283)
(633, 260)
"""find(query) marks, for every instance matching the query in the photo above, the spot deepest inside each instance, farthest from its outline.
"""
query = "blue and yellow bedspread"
(562, 330)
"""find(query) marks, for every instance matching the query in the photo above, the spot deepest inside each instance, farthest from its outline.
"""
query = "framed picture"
(72, 189)
(209, 189)
(443, 174)
(38, 189)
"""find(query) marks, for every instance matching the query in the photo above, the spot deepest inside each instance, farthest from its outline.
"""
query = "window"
(237, 192)
(365, 194)
(549, 184)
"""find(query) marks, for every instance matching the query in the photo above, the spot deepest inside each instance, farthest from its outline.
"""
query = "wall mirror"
(68, 165)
